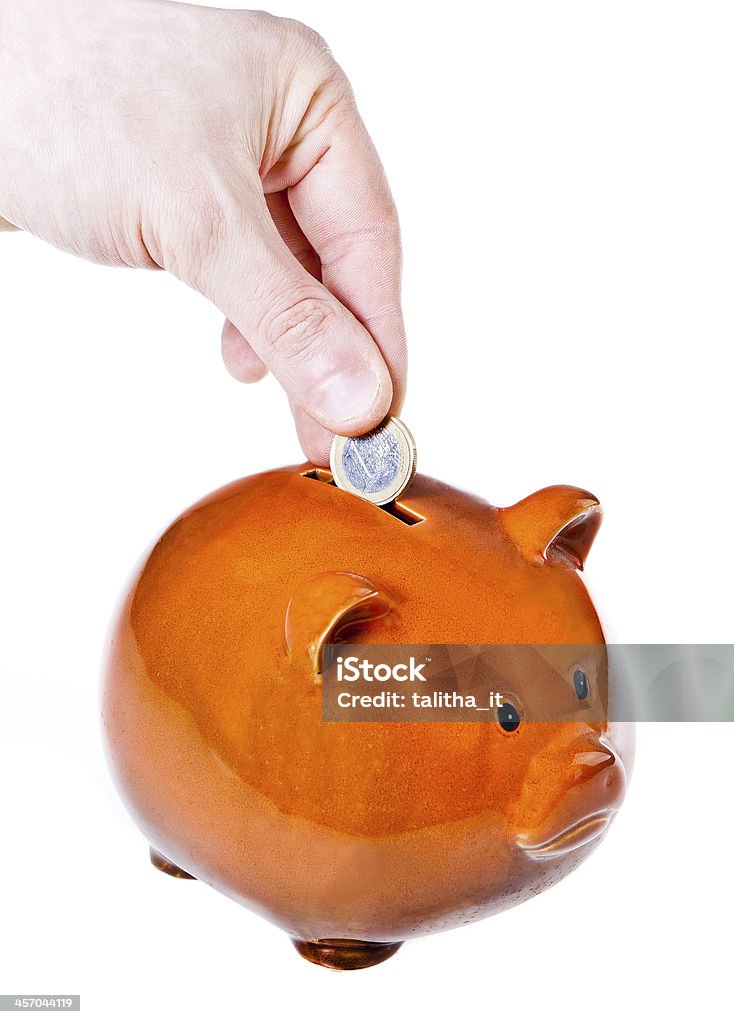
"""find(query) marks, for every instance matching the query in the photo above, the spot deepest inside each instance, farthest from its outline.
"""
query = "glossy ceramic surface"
(353, 836)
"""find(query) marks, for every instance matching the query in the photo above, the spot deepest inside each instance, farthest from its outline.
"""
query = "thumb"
(326, 361)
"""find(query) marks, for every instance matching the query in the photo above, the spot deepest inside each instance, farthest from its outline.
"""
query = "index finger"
(345, 209)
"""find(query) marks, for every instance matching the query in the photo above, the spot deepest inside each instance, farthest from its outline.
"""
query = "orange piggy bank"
(353, 836)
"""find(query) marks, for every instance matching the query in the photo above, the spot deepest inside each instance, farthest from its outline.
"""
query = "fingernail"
(346, 397)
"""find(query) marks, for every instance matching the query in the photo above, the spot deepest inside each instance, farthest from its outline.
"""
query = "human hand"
(225, 147)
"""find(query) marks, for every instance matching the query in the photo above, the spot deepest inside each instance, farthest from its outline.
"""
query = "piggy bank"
(354, 836)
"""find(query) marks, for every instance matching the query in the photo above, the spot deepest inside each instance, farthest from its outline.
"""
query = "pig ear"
(557, 518)
(323, 604)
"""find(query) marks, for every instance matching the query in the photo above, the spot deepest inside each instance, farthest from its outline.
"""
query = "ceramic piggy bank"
(354, 836)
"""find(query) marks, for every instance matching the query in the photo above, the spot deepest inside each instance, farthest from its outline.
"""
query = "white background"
(564, 177)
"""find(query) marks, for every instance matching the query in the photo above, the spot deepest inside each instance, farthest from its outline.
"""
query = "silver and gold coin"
(377, 466)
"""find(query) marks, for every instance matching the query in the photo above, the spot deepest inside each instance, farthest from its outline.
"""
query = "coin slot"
(320, 474)
(394, 509)
(405, 515)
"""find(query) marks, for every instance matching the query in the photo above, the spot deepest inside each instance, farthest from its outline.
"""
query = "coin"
(377, 466)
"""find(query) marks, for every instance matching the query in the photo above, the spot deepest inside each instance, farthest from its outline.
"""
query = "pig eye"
(581, 684)
(508, 716)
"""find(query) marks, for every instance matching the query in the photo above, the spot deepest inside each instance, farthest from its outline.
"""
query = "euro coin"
(377, 466)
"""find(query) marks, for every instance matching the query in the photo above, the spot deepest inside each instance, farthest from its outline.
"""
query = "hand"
(225, 147)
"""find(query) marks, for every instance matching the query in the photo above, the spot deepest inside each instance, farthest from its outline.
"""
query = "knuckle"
(381, 236)
(306, 35)
(307, 50)
(299, 329)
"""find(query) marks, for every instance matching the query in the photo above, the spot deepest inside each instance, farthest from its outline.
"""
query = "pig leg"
(346, 954)
(167, 866)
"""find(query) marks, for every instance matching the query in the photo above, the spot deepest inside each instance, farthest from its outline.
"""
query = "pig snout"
(591, 789)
